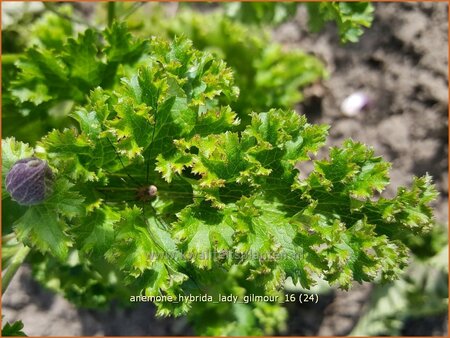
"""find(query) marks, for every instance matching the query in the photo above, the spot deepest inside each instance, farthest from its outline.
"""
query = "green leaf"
(269, 239)
(133, 125)
(203, 232)
(13, 330)
(41, 227)
(422, 291)
(267, 75)
(51, 30)
(65, 200)
(121, 46)
(45, 226)
(137, 248)
(36, 94)
(68, 151)
(231, 214)
(96, 232)
(355, 166)
(215, 121)
(80, 55)
(66, 142)
(411, 209)
(41, 75)
(51, 75)
(149, 257)
(283, 138)
(349, 17)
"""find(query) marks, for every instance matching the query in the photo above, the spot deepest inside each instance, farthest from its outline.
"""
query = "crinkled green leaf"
(229, 319)
(66, 142)
(133, 126)
(181, 192)
(88, 282)
(148, 253)
(65, 200)
(267, 75)
(66, 149)
(203, 232)
(36, 94)
(143, 247)
(355, 166)
(411, 209)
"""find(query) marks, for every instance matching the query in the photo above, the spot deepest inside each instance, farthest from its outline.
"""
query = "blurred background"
(388, 90)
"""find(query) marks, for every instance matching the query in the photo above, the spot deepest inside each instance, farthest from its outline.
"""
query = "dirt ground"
(402, 64)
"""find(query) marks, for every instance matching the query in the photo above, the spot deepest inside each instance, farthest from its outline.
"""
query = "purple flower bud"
(29, 181)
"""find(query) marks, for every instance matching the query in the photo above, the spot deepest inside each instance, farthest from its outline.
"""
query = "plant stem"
(16, 262)
(9, 59)
(111, 13)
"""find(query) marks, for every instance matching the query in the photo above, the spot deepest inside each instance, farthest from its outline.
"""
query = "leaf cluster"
(231, 216)
(268, 75)
(67, 70)
(421, 291)
(350, 17)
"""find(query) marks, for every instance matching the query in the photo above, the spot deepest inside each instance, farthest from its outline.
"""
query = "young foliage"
(268, 75)
(24, 120)
(231, 214)
(350, 17)
(48, 75)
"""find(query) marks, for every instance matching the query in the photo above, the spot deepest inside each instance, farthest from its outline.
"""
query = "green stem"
(16, 262)
(111, 13)
(116, 189)
(9, 59)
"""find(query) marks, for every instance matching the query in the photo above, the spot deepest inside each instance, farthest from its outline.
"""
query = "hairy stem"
(16, 262)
